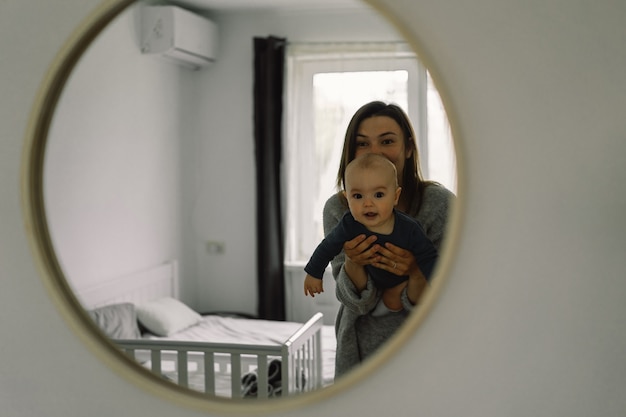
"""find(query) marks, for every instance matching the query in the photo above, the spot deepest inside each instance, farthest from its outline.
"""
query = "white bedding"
(218, 329)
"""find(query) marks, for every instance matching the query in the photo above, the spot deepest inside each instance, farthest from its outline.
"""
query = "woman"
(360, 326)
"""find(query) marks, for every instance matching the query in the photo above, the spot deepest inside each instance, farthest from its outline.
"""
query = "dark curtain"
(269, 64)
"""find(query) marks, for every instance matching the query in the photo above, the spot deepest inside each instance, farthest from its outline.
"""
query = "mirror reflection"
(157, 176)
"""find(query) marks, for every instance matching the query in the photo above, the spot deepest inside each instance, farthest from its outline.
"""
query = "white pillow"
(166, 316)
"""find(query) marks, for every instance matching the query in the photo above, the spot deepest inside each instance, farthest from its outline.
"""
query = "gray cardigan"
(359, 333)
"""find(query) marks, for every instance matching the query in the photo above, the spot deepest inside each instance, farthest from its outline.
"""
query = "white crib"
(220, 368)
(291, 361)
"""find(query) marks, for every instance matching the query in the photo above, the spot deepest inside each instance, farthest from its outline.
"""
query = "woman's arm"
(359, 301)
(415, 287)
(433, 216)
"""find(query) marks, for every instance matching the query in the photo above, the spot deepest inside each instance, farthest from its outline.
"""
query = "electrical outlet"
(216, 247)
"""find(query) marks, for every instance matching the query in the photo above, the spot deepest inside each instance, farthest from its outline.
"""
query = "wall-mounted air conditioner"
(178, 35)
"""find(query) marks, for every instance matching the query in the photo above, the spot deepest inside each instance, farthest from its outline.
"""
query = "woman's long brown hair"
(413, 183)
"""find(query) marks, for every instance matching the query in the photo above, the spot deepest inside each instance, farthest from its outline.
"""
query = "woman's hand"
(402, 262)
(396, 260)
(358, 250)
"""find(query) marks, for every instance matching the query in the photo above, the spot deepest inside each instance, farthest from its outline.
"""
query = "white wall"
(113, 164)
(148, 161)
(531, 319)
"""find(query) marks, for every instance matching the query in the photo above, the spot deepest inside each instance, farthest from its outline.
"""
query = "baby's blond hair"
(372, 161)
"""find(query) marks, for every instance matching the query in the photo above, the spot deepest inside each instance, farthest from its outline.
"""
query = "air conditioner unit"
(178, 35)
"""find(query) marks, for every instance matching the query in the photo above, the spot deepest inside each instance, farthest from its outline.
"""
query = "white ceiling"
(225, 5)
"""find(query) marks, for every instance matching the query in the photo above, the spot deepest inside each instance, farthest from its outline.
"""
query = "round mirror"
(142, 186)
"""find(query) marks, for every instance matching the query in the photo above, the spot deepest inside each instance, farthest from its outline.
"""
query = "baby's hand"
(313, 286)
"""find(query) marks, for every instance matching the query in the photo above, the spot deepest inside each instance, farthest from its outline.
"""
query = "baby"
(371, 188)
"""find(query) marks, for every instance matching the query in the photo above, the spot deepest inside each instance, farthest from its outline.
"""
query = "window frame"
(303, 62)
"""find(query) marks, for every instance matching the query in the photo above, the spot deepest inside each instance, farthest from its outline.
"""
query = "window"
(325, 86)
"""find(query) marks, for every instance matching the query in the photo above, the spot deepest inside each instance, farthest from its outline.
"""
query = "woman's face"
(382, 135)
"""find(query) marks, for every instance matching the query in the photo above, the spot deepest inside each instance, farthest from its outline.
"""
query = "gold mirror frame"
(73, 312)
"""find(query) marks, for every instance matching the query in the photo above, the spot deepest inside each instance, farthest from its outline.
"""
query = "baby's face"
(371, 196)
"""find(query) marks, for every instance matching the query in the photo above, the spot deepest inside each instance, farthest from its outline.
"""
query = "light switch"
(215, 247)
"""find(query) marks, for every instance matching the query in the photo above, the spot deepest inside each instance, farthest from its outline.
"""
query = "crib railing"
(299, 361)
